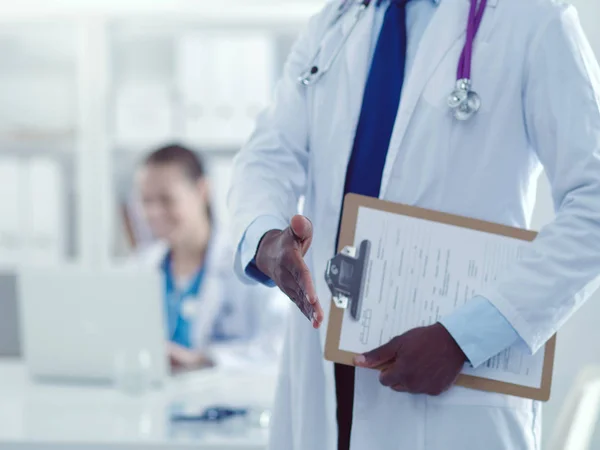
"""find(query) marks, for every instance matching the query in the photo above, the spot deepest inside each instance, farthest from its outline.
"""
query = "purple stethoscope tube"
(463, 101)
(475, 19)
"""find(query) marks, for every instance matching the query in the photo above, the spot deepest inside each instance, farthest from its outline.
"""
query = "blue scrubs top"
(179, 326)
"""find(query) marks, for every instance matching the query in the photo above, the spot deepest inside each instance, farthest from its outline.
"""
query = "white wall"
(579, 340)
(589, 13)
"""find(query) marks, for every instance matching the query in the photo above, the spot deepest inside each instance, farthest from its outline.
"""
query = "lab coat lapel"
(358, 58)
(346, 96)
(446, 27)
(349, 98)
(358, 61)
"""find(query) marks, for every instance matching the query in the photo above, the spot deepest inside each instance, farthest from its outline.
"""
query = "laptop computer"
(10, 345)
(88, 324)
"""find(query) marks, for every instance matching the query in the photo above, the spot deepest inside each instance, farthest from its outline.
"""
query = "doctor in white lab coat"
(539, 85)
(211, 317)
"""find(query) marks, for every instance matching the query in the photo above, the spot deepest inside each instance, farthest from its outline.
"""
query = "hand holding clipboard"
(424, 360)
(421, 265)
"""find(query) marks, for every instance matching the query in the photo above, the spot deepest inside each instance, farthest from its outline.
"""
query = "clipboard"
(345, 275)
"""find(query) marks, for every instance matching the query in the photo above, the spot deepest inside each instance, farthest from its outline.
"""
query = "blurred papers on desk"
(224, 79)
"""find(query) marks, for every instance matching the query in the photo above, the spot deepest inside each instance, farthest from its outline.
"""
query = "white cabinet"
(38, 134)
(87, 87)
(224, 79)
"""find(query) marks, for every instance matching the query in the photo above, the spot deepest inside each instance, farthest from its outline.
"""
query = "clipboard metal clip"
(345, 277)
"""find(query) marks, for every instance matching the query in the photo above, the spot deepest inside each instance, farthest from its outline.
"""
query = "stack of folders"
(221, 171)
(12, 237)
(32, 207)
(46, 227)
(224, 79)
(37, 102)
(144, 114)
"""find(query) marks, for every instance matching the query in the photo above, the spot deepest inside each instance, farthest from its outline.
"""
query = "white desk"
(45, 416)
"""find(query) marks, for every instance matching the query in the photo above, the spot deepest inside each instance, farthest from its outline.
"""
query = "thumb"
(377, 358)
(302, 230)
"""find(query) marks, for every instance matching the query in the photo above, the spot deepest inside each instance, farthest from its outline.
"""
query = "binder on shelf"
(221, 171)
(144, 114)
(224, 80)
(195, 84)
(254, 79)
(43, 103)
(46, 213)
(11, 209)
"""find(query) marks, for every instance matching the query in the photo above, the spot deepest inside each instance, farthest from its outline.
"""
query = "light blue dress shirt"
(478, 327)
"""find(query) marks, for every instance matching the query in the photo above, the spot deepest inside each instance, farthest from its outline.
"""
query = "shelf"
(13, 267)
(251, 12)
(35, 144)
(205, 147)
(89, 41)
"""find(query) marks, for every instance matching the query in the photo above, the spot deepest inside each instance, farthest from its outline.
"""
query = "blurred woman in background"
(212, 318)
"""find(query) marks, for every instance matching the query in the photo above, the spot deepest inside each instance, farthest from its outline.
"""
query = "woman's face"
(173, 204)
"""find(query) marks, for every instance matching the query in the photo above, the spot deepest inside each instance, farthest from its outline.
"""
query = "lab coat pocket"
(469, 427)
(471, 397)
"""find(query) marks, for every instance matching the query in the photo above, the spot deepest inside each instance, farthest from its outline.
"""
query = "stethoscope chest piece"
(463, 101)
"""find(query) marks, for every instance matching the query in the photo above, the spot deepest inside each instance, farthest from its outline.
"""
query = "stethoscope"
(463, 101)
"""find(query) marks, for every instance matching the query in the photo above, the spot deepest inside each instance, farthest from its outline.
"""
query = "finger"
(392, 376)
(303, 278)
(399, 388)
(293, 289)
(302, 229)
(296, 295)
(378, 357)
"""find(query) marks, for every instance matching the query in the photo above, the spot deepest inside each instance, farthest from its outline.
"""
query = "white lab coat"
(486, 168)
(251, 317)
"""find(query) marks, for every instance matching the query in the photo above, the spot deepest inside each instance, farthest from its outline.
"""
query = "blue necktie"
(380, 105)
(365, 169)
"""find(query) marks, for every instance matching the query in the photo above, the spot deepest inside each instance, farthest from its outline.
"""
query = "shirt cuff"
(480, 330)
(249, 246)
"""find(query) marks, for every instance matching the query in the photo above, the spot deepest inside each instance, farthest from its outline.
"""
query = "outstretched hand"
(280, 256)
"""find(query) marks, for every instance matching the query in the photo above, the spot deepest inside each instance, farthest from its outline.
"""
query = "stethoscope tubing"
(466, 102)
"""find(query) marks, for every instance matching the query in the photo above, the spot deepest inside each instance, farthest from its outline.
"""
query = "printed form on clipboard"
(402, 267)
